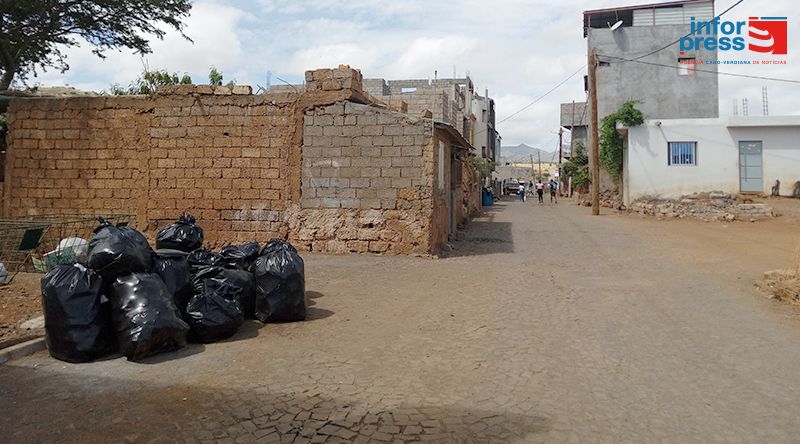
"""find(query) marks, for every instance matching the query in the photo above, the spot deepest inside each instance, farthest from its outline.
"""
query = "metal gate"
(751, 174)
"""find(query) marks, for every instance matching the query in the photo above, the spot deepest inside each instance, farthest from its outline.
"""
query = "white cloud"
(212, 27)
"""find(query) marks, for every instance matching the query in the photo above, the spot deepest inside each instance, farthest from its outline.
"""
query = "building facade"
(639, 60)
(670, 158)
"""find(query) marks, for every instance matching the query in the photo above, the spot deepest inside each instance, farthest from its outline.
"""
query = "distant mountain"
(522, 154)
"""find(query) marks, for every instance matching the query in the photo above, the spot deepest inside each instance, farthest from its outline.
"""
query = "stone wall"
(366, 181)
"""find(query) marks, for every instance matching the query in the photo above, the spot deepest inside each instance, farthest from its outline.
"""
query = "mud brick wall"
(367, 178)
(225, 158)
(83, 154)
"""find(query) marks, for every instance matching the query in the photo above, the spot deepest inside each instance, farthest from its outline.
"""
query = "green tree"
(214, 77)
(611, 146)
(577, 167)
(34, 33)
(484, 166)
(149, 82)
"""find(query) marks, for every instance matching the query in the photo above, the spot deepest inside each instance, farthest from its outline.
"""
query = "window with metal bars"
(682, 153)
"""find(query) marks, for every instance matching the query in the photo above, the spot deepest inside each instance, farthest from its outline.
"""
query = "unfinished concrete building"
(574, 118)
(326, 167)
(453, 101)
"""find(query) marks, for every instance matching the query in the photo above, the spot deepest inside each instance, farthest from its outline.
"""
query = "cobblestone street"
(544, 325)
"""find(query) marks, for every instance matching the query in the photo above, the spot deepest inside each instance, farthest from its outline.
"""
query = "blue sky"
(518, 49)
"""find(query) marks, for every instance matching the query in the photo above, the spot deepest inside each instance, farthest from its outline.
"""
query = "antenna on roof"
(615, 26)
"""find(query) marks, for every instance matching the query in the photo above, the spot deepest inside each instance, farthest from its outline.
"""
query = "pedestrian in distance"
(540, 190)
(521, 192)
(553, 189)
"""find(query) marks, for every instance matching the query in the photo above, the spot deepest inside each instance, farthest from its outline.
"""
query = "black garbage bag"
(247, 282)
(200, 259)
(146, 319)
(172, 267)
(184, 235)
(280, 283)
(116, 251)
(215, 311)
(77, 317)
(241, 256)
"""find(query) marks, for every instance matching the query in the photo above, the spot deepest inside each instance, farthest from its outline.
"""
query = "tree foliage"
(484, 166)
(577, 167)
(34, 33)
(611, 146)
(215, 78)
(149, 82)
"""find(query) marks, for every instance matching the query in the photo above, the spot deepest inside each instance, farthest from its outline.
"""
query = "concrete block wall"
(376, 87)
(367, 178)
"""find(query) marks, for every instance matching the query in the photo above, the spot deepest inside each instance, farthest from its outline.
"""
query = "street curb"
(21, 350)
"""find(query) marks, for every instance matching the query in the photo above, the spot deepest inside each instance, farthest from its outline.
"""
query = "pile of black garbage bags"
(127, 297)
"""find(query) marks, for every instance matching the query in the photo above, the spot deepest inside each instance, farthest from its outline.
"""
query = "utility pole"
(533, 169)
(560, 152)
(595, 156)
(539, 156)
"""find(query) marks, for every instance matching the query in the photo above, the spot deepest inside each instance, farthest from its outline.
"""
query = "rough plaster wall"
(366, 182)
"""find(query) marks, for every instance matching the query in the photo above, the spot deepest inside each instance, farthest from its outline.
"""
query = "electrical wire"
(687, 35)
(543, 95)
(747, 76)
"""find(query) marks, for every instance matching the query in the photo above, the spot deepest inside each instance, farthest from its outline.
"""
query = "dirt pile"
(781, 284)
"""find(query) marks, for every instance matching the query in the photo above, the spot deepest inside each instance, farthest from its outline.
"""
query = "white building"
(669, 158)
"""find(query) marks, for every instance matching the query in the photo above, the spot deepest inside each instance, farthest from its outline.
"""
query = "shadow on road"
(485, 234)
(48, 405)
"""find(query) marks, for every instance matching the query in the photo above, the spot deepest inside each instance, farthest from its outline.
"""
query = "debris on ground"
(20, 301)
(711, 206)
(781, 284)
(608, 199)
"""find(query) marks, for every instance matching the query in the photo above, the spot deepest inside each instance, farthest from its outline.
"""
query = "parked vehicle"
(511, 186)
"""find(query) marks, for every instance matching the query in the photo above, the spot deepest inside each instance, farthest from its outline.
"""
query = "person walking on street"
(521, 192)
(553, 189)
(540, 190)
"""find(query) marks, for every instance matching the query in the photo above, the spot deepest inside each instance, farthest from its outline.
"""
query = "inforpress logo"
(768, 35)
(758, 34)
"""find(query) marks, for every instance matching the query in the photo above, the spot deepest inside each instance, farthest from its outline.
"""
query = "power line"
(543, 95)
(775, 79)
(687, 35)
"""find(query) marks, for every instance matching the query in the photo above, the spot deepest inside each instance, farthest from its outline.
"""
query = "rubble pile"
(781, 284)
(712, 206)
(142, 302)
(608, 199)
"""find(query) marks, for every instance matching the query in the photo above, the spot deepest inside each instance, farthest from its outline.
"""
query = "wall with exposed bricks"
(319, 167)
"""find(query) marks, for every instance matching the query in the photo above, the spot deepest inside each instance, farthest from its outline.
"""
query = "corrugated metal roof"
(673, 15)
(646, 6)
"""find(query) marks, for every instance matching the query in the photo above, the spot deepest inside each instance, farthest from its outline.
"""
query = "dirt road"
(545, 325)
